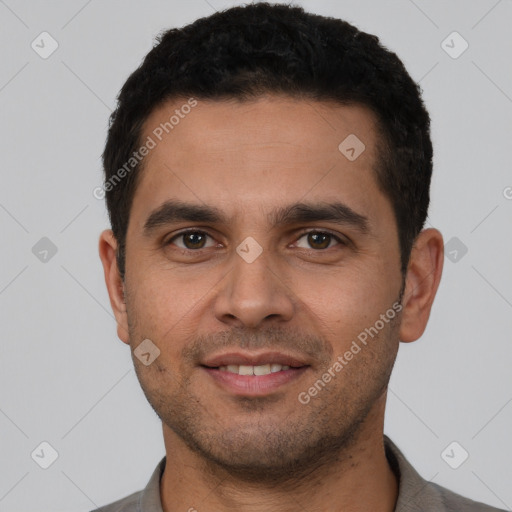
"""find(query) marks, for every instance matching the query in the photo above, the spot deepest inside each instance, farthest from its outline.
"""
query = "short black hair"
(249, 51)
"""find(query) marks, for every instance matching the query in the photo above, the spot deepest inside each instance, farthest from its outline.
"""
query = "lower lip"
(254, 385)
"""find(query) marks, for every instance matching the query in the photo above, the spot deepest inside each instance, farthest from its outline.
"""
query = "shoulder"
(456, 502)
(127, 504)
(146, 500)
(416, 494)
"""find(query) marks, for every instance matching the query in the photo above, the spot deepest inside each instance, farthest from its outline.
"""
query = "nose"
(253, 294)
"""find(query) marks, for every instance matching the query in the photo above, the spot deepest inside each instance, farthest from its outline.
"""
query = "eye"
(195, 240)
(192, 240)
(319, 240)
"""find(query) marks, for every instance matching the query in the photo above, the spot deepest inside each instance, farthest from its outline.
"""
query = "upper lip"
(241, 358)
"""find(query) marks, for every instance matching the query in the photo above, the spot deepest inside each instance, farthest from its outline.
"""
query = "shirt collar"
(414, 492)
(149, 500)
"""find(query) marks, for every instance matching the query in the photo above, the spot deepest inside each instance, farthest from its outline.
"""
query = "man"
(267, 178)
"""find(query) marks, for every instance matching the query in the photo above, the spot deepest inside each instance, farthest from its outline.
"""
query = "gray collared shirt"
(415, 494)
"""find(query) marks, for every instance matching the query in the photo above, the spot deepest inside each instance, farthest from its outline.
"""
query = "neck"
(357, 479)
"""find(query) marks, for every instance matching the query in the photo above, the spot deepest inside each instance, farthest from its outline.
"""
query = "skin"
(229, 452)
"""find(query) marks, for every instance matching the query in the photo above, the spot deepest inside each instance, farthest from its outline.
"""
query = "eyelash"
(316, 231)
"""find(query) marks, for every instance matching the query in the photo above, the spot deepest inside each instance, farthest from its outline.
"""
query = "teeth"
(245, 370)
(263, 369)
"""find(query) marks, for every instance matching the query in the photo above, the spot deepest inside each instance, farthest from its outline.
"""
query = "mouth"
(262, 369)
(254, 375)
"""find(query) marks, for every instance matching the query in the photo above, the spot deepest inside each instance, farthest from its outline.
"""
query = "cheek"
(348, 315)
(166, 303)
(347, 299)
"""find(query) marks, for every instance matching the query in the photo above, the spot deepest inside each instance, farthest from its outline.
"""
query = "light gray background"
(67, 379)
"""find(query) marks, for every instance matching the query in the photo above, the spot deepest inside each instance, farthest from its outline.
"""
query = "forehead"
(260, 151)
(307, 126)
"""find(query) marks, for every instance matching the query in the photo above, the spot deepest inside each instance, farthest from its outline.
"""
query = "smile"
(263, 369)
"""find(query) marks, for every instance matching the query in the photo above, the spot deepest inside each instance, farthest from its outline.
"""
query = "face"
(255, 245)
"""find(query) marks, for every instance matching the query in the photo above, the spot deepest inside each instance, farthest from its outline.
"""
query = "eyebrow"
(173, 211)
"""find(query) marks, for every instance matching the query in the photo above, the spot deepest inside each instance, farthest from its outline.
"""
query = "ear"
(115, 285)
(421, 283)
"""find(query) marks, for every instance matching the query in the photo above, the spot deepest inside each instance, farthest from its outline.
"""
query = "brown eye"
(190, 240)
(319, 240)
